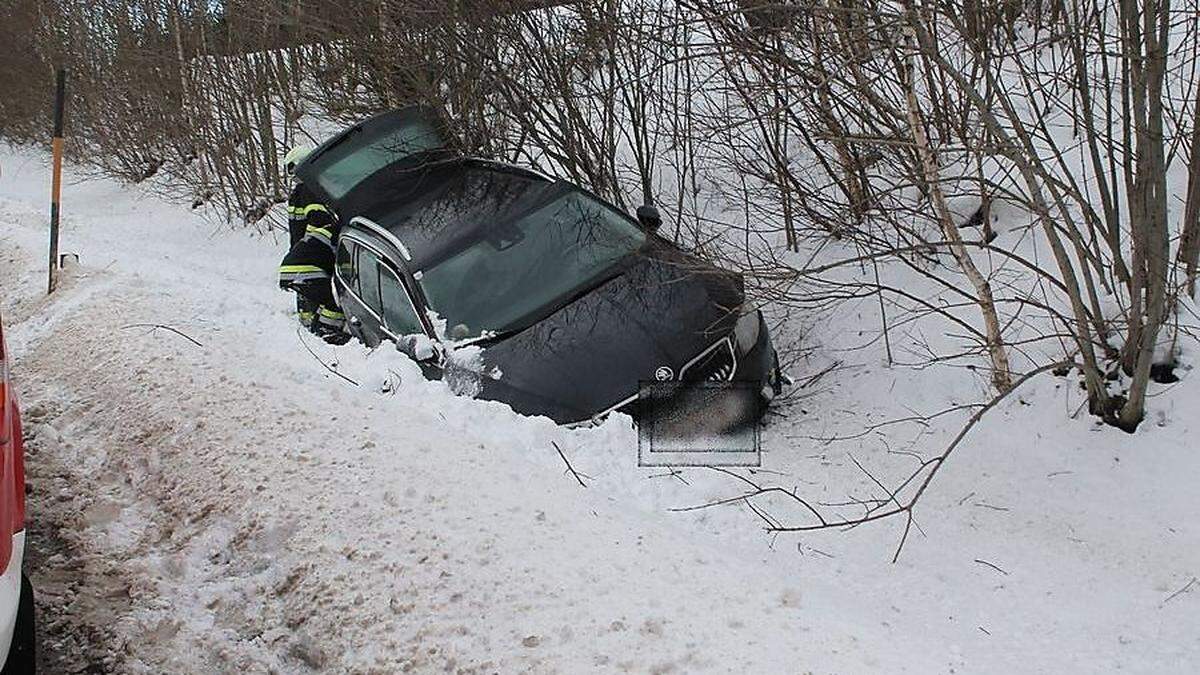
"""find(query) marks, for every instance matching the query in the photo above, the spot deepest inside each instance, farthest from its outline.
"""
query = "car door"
(377, 303)
(346, 286)
(399, 314)
(368, 317)
(356, 280)
(402, 323)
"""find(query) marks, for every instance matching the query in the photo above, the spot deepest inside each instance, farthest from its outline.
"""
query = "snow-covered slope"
(233, 506)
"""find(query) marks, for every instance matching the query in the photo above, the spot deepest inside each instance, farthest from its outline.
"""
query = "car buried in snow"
(569, 303)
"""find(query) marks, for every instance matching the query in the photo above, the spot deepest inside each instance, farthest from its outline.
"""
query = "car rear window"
(371, 146)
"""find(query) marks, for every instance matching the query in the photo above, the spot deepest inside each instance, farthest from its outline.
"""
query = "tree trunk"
(1001, 371)
(1148, 202)
(1189, 243)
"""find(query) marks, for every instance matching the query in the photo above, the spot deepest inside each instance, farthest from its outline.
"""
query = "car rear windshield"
(366, 150)
(515, 273)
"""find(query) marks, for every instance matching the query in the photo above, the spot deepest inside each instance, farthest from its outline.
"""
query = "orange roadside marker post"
(56, 181)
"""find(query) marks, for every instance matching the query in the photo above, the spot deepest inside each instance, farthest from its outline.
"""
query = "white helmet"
(295, 156)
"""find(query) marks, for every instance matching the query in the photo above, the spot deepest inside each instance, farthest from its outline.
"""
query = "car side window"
(345, 265)
(368, 279)
(397, 310)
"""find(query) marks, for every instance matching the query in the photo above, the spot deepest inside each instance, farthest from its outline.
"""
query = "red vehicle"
(16, 594)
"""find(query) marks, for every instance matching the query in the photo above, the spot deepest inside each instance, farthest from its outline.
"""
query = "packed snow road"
(214, 500)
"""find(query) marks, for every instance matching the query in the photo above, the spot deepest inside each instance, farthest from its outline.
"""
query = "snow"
(251, 511)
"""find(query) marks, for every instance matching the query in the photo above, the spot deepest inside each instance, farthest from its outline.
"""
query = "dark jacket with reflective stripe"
(308, 266)
(301, 197)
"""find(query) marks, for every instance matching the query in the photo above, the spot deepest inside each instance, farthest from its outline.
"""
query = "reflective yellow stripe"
(331, 314)
(307, 316)
(297, 269)
(305, 210)
(319, 230)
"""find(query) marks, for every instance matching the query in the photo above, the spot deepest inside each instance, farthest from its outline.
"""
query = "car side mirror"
(648, 217)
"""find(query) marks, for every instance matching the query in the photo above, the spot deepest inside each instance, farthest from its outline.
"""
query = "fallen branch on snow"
(155, 326)
(318, 358)
(991, 565)
(1187, 587)
(572, 469)
(876, 508)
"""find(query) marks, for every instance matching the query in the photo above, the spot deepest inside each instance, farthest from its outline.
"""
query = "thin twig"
(995, 567)
(571, 468)
(326, 365)
(154, 326)
(810, 381)
(921, 478)
(904, 537)
(671, 473)
(1187, 587)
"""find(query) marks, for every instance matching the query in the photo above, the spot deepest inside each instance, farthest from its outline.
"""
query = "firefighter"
(307, 268)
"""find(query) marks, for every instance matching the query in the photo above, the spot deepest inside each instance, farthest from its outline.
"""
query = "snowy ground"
(231, 506)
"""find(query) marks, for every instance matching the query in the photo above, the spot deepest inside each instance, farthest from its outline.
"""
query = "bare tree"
(868, 137)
